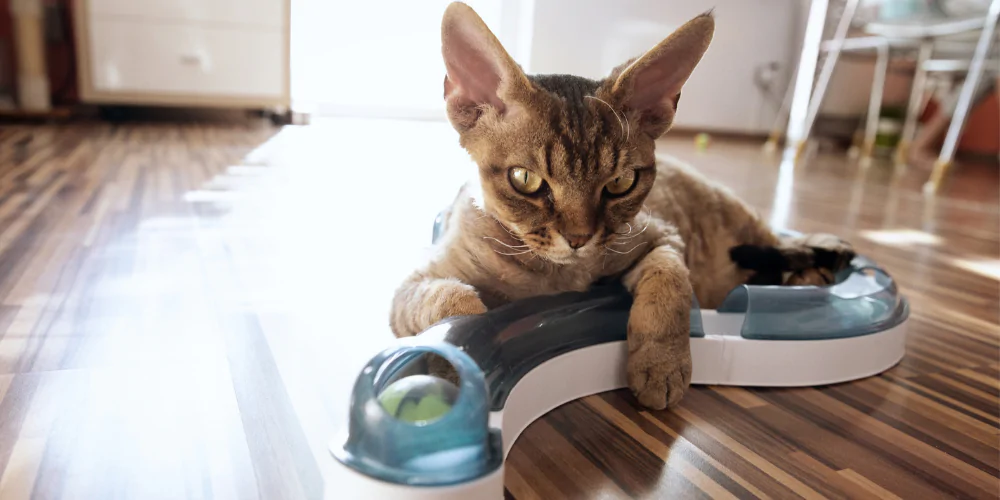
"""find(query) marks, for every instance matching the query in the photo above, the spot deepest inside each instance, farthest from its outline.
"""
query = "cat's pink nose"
(577, 240)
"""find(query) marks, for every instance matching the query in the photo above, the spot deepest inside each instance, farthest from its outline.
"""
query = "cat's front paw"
(420, 304)
(830, 252)
(453, 299)
(658, 375)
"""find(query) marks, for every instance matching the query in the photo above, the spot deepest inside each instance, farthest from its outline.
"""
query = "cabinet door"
(246, 13)
(143, 57)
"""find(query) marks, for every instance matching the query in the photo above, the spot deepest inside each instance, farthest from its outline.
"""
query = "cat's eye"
(621, 184)
(524, 181)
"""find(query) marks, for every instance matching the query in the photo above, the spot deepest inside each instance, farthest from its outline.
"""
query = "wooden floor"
(183, 309)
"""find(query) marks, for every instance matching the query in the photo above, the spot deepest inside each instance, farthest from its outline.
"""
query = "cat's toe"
(658, 380)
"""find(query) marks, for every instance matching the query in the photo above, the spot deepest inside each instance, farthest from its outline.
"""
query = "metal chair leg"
(806, 74)
(775, 136)
(916, 101)
(826, 73)
(875, 102)
(965, 99)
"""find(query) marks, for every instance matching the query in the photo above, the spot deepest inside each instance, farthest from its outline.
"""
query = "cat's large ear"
(651, 85)
(481, 77)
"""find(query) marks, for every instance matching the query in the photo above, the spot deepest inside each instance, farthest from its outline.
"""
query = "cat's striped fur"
(668, 237)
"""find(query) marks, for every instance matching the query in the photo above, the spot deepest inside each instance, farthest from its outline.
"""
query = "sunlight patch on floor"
(901, 237)
(988, 268)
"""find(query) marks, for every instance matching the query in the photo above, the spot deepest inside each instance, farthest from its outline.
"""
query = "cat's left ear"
(651, 85)
(481, 77)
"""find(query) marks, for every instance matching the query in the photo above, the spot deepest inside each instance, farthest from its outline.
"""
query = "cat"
(570, 192)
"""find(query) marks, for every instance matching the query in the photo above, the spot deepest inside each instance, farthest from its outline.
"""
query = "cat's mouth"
(559, 251)
(545, 244)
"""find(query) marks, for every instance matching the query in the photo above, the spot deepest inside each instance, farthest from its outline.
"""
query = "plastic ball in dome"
(418, 399)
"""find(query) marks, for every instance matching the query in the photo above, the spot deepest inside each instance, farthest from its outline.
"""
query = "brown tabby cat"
(571, 192)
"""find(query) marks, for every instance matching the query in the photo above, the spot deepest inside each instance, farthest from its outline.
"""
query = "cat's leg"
(423, 300)
(659, 359)
(420, 302)
(809, 259)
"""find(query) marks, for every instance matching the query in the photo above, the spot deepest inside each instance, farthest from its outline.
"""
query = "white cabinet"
(229, 53)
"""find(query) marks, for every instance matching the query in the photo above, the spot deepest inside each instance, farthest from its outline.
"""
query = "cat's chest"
(517, 285)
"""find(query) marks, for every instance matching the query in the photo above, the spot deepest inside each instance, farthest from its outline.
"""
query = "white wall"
(383, 57)
(373, 58)
(589, 37)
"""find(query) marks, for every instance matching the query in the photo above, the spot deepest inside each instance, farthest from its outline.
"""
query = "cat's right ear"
(481, 77)
(651, 85)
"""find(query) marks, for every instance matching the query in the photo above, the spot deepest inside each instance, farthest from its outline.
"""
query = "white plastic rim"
(349, 484)
(722, 357)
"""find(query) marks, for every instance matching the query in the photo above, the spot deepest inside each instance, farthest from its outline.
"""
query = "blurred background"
(382, 58)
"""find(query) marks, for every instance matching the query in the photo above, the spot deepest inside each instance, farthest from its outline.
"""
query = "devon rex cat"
(570, 192)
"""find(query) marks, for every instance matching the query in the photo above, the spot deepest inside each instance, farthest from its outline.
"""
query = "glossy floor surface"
(183, 309)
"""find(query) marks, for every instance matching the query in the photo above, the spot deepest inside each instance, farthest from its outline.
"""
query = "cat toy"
(417, 437)
(701, 142)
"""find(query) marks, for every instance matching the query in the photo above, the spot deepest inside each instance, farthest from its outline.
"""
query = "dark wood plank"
(183, 308)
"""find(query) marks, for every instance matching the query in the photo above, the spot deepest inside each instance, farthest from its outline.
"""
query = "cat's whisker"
(628, 132)
(629, 230)
(626, 252)
(632, 236)
(511, 253)
(612, 110)
(514, 247)
(516, 237)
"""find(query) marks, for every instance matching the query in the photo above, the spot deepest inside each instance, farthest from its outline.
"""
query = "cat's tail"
(811, 259)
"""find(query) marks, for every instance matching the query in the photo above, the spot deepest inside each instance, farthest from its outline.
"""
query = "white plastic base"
(347, 483)
(722, 357)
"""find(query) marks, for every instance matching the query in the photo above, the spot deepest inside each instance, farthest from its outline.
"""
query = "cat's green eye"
(621, 184)
(524, 181)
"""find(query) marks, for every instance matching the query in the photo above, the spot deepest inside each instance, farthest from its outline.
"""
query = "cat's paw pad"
(818, 250)
(811, 277)
(657, 377)
(829, 251)
(758, 257)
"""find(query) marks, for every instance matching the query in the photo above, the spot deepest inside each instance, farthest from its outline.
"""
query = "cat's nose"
(577, 240)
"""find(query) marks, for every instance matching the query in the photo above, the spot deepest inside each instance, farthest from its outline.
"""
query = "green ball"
(701, 141)
(418, 399)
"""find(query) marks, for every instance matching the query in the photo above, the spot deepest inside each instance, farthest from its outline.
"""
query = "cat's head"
(565, 162)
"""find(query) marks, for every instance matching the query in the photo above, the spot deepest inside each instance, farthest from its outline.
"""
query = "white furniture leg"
(916, 101)
(794, 136)
(875, 102)
(29, 40)
(965, 99)
(826, 73)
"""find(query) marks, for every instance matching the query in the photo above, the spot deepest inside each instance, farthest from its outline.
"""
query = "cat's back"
(694, 203)
(680, 191)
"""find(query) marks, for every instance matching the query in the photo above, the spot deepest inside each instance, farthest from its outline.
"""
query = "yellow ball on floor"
(701, 141)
